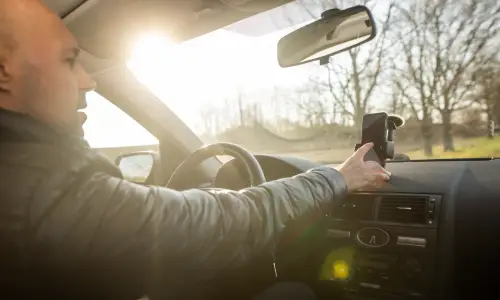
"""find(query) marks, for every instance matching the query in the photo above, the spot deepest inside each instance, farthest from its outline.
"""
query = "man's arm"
(106, 227)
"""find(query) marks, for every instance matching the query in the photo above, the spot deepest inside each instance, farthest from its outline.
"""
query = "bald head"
(39, 70)
(7, 42)
(26, 23)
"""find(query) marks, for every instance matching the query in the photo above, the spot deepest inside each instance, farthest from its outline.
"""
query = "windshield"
(432, 62)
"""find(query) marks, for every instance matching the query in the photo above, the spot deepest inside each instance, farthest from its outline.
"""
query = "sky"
(188, 76)
(207, 70)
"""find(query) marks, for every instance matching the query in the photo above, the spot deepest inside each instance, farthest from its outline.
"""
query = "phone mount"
(385, 151)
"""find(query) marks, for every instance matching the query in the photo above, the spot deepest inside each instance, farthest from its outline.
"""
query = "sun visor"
(108, 29)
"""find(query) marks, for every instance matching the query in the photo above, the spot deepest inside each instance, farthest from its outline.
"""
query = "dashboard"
(428, 234)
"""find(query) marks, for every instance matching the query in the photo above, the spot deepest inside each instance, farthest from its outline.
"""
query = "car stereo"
(376, 246)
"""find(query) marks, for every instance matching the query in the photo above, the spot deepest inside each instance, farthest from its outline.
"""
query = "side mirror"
(138, 167)
(336, 31)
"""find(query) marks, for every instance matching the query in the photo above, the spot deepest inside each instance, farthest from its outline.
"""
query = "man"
(70, 226)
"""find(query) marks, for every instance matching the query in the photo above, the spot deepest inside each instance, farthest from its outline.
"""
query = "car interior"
(429, 233)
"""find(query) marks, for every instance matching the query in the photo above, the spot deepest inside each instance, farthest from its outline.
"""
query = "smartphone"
(375, 131)
(374, 128)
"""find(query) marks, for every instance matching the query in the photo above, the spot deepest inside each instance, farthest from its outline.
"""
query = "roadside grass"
(466, 148)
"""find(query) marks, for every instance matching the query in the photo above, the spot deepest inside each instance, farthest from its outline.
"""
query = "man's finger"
(385, 177)
(377, 167)
(361, 152)
(379, 180)
(378, 177)
(384, 171)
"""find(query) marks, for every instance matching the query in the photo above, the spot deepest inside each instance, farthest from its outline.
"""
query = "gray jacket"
(66, 214)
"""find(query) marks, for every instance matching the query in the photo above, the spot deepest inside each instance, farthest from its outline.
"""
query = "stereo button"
(335, 233)
(372, 237)
(412, 241)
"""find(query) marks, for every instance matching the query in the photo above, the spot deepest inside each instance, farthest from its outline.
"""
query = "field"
(335, 144)
(465, 148)
(472, 147)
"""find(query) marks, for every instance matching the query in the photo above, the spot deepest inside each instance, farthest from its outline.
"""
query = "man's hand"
(360, 174)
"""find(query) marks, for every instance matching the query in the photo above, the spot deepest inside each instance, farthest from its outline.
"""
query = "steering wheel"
(262, 266)
(256, 176)
(251, 164)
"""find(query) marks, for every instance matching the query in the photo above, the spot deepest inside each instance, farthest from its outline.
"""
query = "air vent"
(403, 209)
(356, 207)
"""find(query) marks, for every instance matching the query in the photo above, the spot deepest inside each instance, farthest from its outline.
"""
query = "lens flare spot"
(340, 270)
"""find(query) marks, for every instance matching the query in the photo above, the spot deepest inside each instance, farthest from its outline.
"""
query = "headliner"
(106, 28)
(63, 7)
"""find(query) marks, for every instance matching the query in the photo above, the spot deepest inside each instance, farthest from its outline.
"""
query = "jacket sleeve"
(107, 227)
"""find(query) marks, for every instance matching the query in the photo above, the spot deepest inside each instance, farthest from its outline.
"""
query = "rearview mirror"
(137, 166)
(336, 31)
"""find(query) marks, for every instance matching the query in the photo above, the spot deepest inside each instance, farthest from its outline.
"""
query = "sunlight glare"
(209, 70)
(155, 59)
(149, 48)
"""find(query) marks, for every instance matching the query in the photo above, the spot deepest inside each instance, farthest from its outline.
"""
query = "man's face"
(55, 87)
(46, 79)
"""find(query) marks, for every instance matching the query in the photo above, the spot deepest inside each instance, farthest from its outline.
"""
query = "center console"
(373, 246)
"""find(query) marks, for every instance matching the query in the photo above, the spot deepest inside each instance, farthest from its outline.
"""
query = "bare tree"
(441, 41)
(352, 84)
(241, 107)
(487, 90)
(397, 104)
(213, 120)
(312, 107)
(419, 100)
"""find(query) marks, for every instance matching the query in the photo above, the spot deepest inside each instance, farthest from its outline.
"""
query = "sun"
(151, 46)
(157, 62)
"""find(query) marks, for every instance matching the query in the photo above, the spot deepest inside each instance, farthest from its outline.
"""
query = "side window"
(112, 132)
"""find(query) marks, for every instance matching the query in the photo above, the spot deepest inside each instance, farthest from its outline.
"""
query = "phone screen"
(374, 129)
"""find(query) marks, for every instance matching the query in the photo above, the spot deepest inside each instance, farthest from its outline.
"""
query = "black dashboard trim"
(468, 223)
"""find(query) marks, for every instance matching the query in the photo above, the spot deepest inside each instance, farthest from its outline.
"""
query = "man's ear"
(5, 77)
